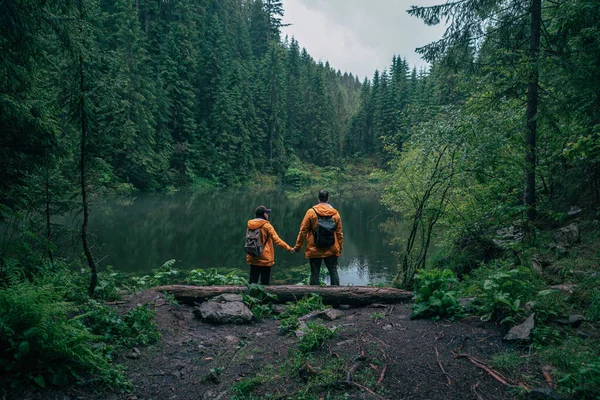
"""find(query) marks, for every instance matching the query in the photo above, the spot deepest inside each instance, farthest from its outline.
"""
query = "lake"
(207, 230)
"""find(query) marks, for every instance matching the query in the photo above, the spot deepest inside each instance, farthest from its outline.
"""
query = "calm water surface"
(206, 230)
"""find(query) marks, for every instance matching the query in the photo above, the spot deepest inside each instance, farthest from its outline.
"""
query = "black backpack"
(254, 245)
(325, 232)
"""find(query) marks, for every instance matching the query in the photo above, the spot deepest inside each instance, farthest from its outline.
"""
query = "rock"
(466, 303)
(543, 393)
(388, 327)
(225, 297)
(557, 248)
(583, 335)
(574, 210)
(539, 263)
(232, 339)
(575, 320)
(565, 287)
(566, 236)
(234, 312)
(300, 331)
(134, 353)
(279, 309)
(521, 333)
(344, 306)
(507, 236)
(330, 314)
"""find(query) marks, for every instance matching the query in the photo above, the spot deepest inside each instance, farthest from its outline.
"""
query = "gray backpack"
(254, 245)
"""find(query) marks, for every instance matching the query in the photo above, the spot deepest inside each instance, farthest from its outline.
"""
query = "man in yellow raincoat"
(260, 264)
(321, 230)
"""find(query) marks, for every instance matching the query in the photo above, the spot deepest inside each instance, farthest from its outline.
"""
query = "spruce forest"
(493, 149)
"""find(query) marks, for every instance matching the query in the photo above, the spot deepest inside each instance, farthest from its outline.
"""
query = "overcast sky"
(359, 36)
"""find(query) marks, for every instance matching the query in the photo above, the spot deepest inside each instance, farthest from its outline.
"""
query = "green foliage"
(259, 300)
(578, 367)
(315, 335)
(506, 361)
(376, 316)
(243, 389)
(134, 328)
(107, 289)
(433, 295)
(592, 312)
(297, 177)
(41, 341)
(501, 291)
(289, 318)
(213, 278)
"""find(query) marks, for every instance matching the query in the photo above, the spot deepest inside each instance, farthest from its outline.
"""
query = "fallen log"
(352, 295)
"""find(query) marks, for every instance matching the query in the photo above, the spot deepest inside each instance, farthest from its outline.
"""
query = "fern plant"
(41, 342)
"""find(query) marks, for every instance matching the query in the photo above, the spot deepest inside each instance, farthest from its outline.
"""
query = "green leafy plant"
(433, 297)
(107, 287)
(259, 300)
(500, 292)
(577, 366)
(315, 335)
(308, 304)
(42, 342)
(166, 274)
(376, 316)
(136, 327)
(213, 278)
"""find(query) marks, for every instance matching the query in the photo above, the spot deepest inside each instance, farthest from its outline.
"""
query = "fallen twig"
(379, 340)
(491, 372)
(358, 385)
(437, 357)
(485, 338)
(474, 390)
(547, 377)
(382, 375)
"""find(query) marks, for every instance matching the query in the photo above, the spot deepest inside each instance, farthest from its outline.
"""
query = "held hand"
(292, 250)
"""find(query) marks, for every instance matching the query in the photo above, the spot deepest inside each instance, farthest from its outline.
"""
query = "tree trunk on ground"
(353, 295)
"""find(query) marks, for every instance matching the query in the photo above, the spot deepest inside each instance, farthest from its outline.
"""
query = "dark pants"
(263, 272)
(331, 264)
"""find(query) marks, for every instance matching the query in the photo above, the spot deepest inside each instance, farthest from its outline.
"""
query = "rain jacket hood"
(256, 223)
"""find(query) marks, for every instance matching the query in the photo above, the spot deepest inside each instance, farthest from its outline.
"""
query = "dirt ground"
(390, 356)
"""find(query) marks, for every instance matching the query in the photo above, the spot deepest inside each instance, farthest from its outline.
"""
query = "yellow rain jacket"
(309, 225)
(268, 236)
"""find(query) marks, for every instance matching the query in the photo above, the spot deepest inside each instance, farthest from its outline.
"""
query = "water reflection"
(205, 230)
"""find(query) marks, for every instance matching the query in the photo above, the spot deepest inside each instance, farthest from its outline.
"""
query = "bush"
(40, 341)
(433, 297)
(296, 176)
(500, 291)
(134, 328)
